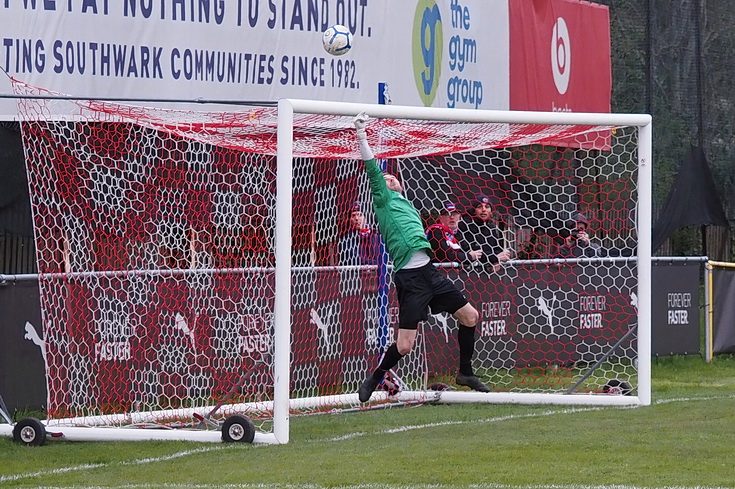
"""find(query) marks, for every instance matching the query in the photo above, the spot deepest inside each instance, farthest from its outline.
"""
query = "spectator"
(481, 233)
(444, 241)
(360, 245)
(578, 244)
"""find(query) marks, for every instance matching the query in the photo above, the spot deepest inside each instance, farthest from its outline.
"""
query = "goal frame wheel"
(30, 432)
(238, 429)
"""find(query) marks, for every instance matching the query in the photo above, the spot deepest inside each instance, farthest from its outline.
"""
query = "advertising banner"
(442, 53)
(22, 347)
(724, 310)
(675, 308)
(448, 53)
(560, 56)
(539, 315)
(533, 316)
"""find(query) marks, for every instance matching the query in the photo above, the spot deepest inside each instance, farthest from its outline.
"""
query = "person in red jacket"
(444, 238)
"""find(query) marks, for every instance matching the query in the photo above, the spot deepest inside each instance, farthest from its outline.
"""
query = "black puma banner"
(22, 383)
(530, 316)
(675, 308)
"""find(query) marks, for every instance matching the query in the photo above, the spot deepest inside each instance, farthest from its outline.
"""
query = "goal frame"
(287, 108)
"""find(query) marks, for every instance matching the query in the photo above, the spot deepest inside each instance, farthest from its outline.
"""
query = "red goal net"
(155, 231)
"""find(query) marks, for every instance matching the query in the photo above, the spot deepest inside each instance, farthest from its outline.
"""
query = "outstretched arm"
(360, 121)
(377, 183)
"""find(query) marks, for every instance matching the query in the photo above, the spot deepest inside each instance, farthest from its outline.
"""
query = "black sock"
(466, 340)
(390, 359)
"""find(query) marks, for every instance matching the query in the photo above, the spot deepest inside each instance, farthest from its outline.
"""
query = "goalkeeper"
(418, 284)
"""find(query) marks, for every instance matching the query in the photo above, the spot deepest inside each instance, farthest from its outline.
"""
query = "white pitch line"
(142, 461)
(402, 429)
(496, 419)
(529, 415)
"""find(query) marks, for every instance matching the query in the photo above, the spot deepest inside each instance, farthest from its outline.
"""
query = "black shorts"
(421, 288)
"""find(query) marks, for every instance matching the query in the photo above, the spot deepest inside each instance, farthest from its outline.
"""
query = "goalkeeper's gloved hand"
(359, 122)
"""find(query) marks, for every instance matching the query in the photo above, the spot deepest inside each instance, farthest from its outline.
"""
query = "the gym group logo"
(561, 55)
(427, 49)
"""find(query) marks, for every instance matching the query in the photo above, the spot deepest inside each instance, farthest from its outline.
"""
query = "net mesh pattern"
(155, 235)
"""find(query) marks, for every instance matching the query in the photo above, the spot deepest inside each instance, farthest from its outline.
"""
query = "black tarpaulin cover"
(692, 201)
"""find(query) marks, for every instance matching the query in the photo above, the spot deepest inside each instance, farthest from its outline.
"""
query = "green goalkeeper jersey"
(398, 220)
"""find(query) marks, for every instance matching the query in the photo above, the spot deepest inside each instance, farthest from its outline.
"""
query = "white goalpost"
(201, 277)
(288, 107)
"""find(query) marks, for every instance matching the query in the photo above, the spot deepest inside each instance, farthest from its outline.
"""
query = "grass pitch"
(685, 439)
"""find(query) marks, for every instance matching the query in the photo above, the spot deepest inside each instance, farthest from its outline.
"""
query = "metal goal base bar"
(95, 433)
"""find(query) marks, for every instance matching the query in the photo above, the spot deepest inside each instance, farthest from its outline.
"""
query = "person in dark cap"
(360, 245)
(481, 233)
(444, 240)
(578, 244)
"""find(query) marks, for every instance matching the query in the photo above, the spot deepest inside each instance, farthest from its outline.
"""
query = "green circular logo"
(427, 49)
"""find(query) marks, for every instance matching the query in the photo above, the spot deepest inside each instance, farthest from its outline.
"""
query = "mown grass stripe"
(401, 429)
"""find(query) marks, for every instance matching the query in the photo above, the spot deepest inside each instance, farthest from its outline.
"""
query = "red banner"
(559, 56)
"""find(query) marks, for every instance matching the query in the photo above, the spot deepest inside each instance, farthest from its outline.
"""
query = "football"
(337, 40)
